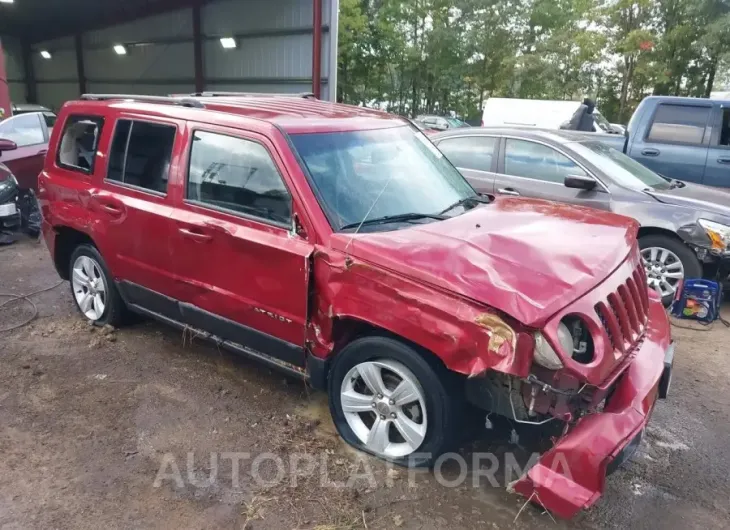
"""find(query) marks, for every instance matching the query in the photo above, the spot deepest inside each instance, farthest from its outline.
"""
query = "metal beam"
(198, 49)
(333, 22)
(31, 87)
(317, 48)
(80, 69)
(4, 88)
(252, 34)
(190, 81)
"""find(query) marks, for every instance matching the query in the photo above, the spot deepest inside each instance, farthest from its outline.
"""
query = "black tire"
(690, 263)
(115, 309)
(441, 389)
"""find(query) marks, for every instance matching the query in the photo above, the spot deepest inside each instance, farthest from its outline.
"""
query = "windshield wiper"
(465, 200)
(413, 216)
(674, 183)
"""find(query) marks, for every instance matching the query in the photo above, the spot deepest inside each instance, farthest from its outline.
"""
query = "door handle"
(192, 233)
(43, 152)
(509, 191)
(112, 209)
(650, 152)
(110, 206)
(217, 227)
(723, 160)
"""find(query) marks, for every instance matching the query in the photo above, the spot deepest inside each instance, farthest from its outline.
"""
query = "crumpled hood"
(697, 197)
(527, 258)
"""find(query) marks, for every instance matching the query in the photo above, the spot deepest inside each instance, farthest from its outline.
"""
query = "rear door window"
(237, 175)
(140, 155)
(79, 143)
(470, 152)
(536, 161)
(25, 130)
(679, 124)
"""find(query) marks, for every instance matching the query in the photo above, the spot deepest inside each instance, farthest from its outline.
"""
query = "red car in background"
(30, 133)
(24, 140)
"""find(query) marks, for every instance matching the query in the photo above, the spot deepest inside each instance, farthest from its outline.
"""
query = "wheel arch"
(657, 231)
(67, 239)
(346, 329)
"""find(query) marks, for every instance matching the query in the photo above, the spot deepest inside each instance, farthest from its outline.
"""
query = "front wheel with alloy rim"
(667, 261)
(386, 399)
(93, 290)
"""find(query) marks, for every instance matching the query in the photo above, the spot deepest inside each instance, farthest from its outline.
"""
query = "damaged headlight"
(719, 234)
(9, 182)
(545, 355)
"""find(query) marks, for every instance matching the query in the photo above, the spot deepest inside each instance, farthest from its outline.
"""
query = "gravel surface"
(140, 428)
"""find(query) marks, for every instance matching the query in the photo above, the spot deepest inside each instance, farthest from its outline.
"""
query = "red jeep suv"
(338, 244)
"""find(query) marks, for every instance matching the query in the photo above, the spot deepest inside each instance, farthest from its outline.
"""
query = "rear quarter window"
(79, 143)
(679, 124)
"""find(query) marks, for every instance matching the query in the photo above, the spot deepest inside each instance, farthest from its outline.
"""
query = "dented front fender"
(467, 337)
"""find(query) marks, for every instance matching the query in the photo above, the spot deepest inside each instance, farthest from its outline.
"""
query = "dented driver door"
(244, 273)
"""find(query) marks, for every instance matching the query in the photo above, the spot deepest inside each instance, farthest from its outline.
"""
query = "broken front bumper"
(571, 476)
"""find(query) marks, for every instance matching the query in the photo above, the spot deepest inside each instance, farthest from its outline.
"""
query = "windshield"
(398, 169)
(619, 167)
(602, 122)
(456, 123)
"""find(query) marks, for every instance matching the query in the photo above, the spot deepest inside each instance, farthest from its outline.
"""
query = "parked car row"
(344, 248)
(684, 227)
(681, 138)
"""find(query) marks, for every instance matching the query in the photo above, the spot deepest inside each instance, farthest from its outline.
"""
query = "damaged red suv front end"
(543, 307)
(630, 368)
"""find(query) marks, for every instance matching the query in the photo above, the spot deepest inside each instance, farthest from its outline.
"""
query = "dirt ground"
(140, 427)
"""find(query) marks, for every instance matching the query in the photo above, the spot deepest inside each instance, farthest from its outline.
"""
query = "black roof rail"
(207, 94)
(182, 101)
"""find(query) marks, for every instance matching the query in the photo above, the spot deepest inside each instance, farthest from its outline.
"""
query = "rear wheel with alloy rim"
(89, 287)
(388, 400)
(667, 261)
(94, 292)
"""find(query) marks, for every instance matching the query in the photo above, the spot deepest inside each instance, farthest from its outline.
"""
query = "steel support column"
(80, 69)
(198, 48)
(31, 87)
(4, 88)
(317, 48)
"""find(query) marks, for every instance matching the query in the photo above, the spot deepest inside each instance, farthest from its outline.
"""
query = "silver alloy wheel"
(385, 407)
(89, 287)
(664, 269)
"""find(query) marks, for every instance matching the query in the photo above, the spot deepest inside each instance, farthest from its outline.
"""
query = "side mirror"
(7, 145)
(580, 182)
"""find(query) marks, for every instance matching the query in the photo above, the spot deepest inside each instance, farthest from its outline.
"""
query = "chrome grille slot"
(625, 311)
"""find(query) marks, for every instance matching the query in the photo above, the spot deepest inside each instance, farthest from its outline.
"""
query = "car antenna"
(347, 247)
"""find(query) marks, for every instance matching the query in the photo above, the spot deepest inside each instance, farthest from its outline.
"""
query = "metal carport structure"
(58, 49)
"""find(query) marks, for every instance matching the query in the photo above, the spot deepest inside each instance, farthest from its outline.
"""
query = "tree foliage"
(448, 56)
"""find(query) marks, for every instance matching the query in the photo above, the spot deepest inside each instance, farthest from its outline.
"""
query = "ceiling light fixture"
(228, 43)
(6, 1)
(120, 49)
(45, 54)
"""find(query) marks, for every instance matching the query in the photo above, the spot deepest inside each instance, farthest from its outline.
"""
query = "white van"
(540, 113)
